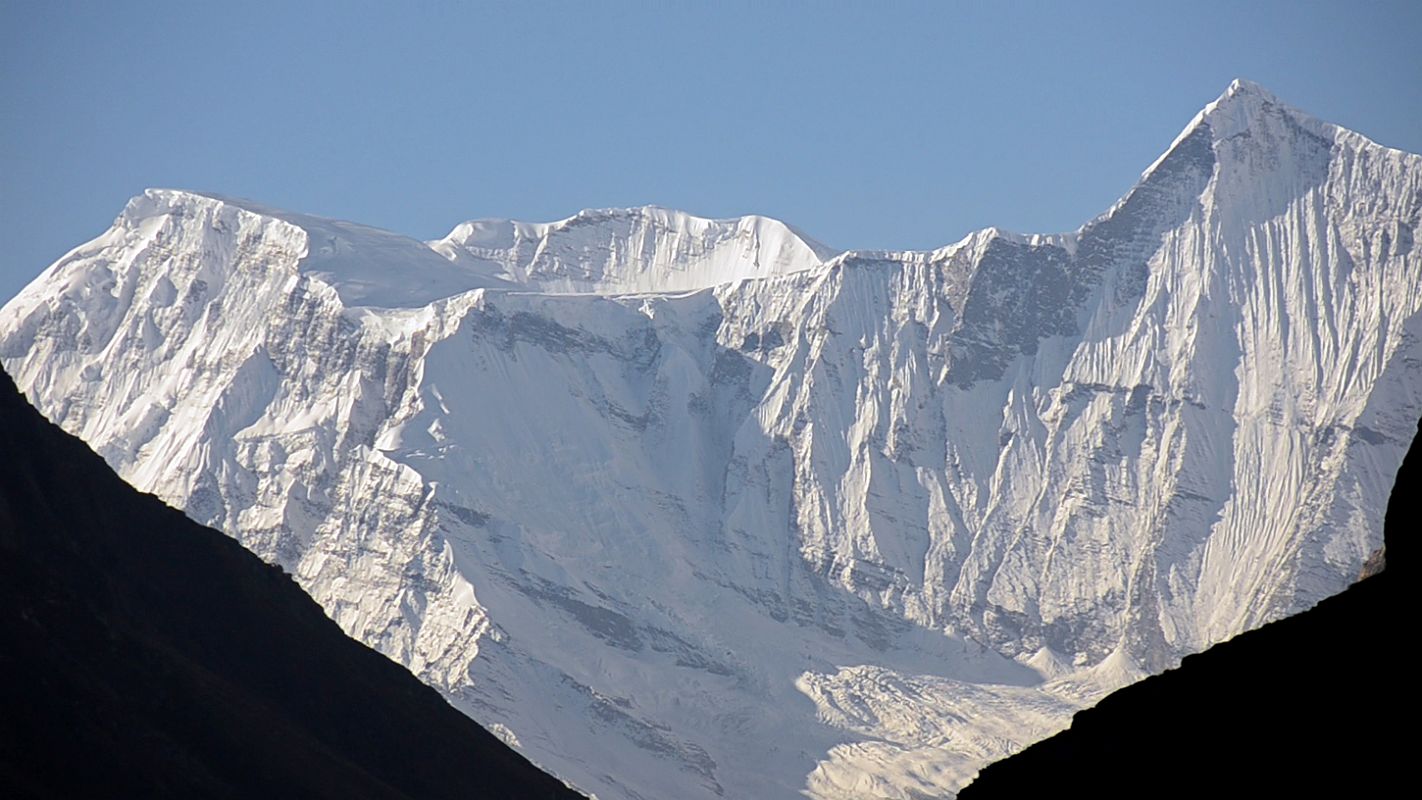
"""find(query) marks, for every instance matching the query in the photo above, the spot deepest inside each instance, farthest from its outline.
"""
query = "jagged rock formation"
(697, 508)
(147, 656)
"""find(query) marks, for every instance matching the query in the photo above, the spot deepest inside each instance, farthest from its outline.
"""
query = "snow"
(697, 508)
(646, 249)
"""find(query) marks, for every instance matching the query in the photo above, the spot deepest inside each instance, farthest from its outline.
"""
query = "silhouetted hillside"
(1310, 706)
(142, 655)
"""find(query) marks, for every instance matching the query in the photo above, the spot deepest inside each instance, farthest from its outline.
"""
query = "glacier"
(700, 508)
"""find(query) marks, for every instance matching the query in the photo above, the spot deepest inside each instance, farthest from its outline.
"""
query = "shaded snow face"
(697, 508)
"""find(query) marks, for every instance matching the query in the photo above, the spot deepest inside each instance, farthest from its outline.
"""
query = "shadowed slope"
(1302, 707)
(145, 655)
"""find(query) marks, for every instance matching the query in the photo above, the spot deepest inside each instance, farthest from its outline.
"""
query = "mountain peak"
(638, 249)
(367, 266)
(497, 231)
(1245, 110)
(1246, 105)
(1244, 88)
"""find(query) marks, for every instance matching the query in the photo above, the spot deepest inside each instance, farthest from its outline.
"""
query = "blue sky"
(866, 125)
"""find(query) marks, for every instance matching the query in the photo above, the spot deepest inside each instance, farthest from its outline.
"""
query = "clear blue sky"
(873, 125)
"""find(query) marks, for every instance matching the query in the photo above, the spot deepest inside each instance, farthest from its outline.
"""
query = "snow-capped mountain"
(695, 508)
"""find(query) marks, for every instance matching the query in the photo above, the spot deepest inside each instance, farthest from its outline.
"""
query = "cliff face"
(147, 656)
(1303, 707)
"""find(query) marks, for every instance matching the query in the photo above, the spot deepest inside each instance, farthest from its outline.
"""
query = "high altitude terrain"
(1245, 718)
(690, 508)
(147, 656)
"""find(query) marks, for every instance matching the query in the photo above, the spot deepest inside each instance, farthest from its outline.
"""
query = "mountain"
(696, 508)
(1245, 718)
(147, 656)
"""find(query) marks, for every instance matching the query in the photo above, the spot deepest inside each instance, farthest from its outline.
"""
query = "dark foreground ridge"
(1309, 706)
(143, 655)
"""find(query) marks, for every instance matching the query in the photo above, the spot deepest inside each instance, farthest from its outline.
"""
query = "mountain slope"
(147, 656)
(1245, 717)
(700, 508)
